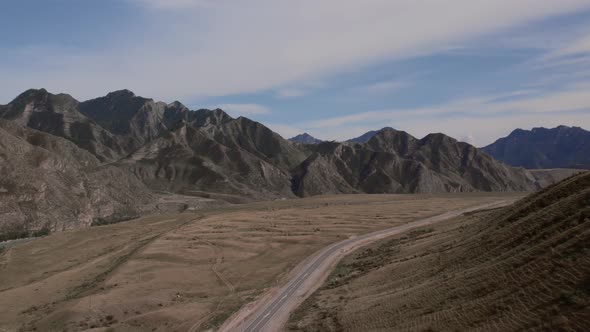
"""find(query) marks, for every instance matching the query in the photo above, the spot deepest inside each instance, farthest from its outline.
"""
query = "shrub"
(42, 232)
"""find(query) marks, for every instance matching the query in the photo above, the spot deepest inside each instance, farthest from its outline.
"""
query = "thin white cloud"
(289, 93)
(173, 4)
(286, 131)
(477, 120)
(383, 87)
(244, 109)
(469, 129)
(231, 47)
(577, 47)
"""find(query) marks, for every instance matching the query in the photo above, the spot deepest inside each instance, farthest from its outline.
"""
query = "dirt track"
(272, 311)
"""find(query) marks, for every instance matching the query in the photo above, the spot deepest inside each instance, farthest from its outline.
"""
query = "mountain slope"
(395, 162)
(59, 115)
(138, 119)
(48, 182)
(560, 147)
(189, 160)
(523, 267)
(305, 138)
(251, 136)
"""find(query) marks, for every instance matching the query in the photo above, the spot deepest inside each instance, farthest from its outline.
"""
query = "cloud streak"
(244, 109)
(383, 87)
(477, 119)
(207, 48)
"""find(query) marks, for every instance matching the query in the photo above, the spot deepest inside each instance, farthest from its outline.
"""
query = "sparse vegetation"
(523, 267)
(135, 266)
(112, 220)
(42, 232)
(22, 233)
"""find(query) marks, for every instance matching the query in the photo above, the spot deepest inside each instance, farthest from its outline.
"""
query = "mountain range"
(564, 147)
(66, 163)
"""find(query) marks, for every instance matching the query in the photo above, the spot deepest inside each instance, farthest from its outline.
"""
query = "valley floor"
(188, 271)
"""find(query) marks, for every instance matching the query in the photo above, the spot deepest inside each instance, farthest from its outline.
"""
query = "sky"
(471, 69)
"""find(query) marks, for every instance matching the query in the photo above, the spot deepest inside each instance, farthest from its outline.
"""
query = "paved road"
(281, 304)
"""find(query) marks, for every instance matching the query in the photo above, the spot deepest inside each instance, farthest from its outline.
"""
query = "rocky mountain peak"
(176, 104)
(125, 93)
(368, 135)
(439, 138)
(206, 117)
(305, 138)
(32, 96)
(391, 140)
(114, 111)
(33, 92)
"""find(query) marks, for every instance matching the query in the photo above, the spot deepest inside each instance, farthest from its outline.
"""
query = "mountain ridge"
(167, 147)
(395, 162)
(559, 147)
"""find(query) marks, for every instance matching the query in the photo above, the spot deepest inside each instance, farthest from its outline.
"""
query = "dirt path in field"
(272, 310)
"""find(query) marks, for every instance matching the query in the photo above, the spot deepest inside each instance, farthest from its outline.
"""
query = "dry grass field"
(523, 267)
(186, 271)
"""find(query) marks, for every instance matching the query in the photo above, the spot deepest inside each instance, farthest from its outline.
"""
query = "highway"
(271, 314)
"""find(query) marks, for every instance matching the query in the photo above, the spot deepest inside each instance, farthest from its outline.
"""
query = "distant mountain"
(565, 147)
(396, 162)
(305, 138)
(366, 136)
(67, 163)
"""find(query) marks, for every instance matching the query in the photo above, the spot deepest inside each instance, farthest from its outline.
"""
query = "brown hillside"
(524, 267)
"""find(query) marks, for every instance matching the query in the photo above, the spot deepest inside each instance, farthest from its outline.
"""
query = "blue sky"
(472, 69)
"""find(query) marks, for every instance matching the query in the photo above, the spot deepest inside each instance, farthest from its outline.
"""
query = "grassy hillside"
(526, 266)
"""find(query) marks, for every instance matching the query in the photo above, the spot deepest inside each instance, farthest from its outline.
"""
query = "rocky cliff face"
(560, 147)
(48, 182)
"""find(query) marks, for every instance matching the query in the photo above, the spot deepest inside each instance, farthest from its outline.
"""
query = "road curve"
(270, 313)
